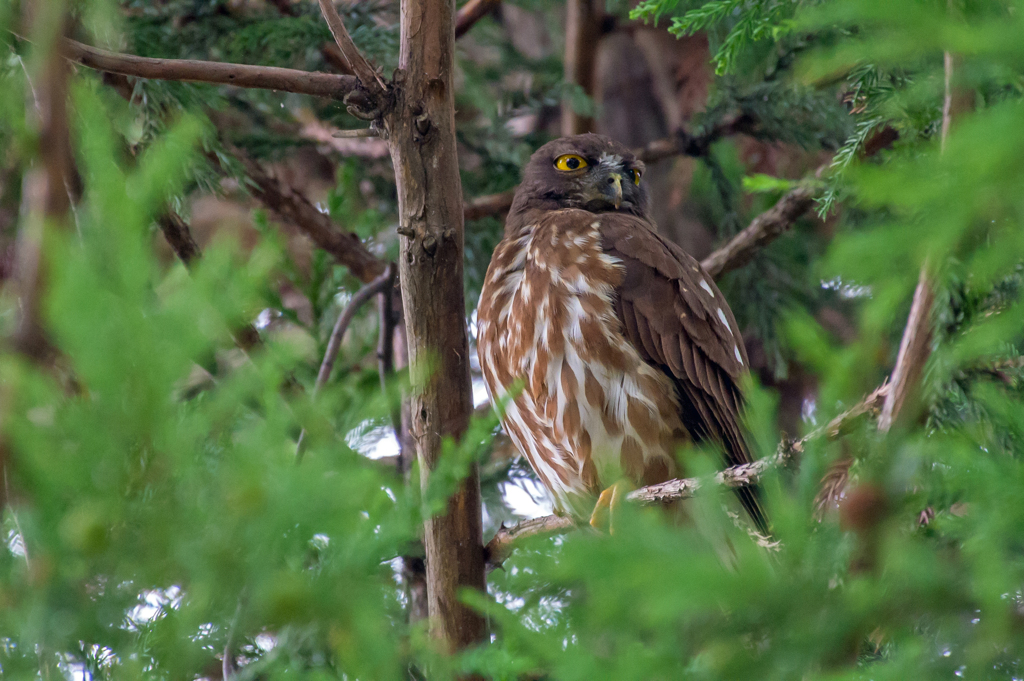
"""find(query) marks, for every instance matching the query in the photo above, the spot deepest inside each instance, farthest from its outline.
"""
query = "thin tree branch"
(915, 345)
(947, 100)
(682, 143)
(344, 319)
(915, 348)
(367, 75)
(744, 475)
(316, 130)
(472, 12)
(368, 291)
(761, 231)
(295, 209)
(190, 70)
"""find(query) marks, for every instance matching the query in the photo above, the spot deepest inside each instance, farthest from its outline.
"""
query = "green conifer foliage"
(158, 524)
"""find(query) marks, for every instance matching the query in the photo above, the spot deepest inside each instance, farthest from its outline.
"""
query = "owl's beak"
(613, 190)
(603, 192)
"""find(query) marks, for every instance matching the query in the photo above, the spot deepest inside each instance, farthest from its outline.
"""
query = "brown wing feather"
(673, 313)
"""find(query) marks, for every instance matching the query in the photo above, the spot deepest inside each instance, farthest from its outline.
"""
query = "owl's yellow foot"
(604, 509)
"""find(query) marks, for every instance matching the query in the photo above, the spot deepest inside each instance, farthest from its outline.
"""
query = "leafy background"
(157, 516)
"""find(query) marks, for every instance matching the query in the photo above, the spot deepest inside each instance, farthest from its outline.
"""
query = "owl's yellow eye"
(635, 174)
(570, 162)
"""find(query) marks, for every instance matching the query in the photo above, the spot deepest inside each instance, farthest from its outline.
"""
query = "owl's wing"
(678, 320)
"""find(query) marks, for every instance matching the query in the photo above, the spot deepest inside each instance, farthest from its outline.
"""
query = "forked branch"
(353, 57)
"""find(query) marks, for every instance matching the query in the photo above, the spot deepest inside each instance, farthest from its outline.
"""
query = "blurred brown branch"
(190, 70)
(682, 143)
(295, 209)
(490, 204)
(472, 12)
(179, 236)
(761, 231)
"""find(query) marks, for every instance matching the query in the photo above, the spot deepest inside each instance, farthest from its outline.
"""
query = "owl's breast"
(590, 410)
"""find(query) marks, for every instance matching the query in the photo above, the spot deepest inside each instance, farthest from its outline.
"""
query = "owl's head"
(592, 172)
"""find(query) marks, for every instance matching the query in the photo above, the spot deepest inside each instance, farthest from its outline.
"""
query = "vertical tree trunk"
(45, 185)
(582, 31)
(421, 127)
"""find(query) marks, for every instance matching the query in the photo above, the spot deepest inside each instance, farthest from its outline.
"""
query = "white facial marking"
(721, 315)
(610, 160)
(704, 285)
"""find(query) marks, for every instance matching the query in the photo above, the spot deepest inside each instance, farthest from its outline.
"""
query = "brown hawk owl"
(623, 346)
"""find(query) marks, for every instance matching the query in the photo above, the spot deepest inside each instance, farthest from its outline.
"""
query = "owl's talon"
(607, 502)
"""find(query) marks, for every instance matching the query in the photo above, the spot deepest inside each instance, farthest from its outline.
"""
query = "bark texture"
(582, 31)
(421, 128)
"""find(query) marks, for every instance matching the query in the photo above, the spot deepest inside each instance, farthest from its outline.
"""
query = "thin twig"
(744, 475)
(947, 100)
(179, 236)
(367, 75)
(191, 70)
(338, 333)
(344, 319)
(228, 666)
(915, 346)
(323, 133)
(682, 143)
